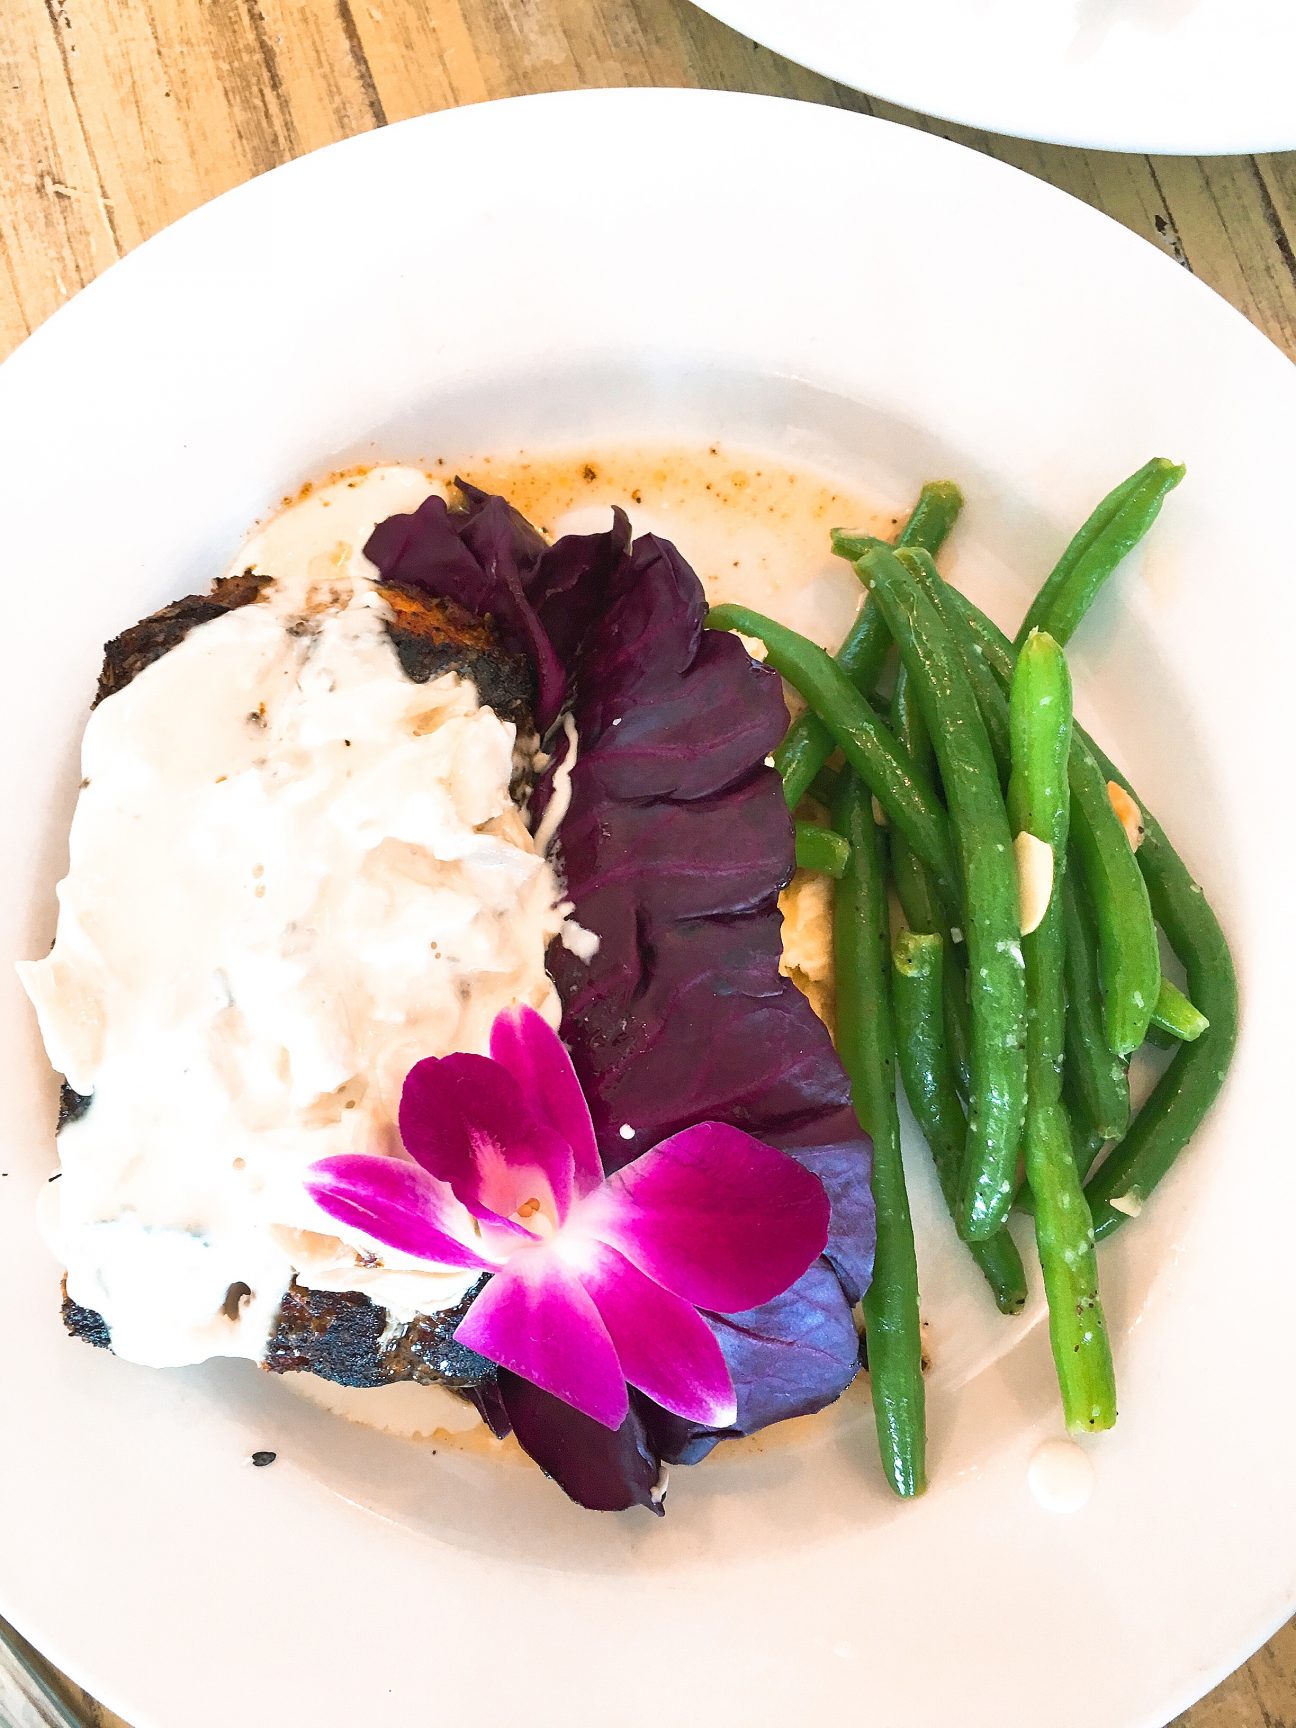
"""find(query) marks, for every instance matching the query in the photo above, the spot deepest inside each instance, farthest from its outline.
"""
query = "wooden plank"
(1261, 1694)
(56, 224)
(421, 57)
(34, 1695)
(116, 119)
(1226, 218)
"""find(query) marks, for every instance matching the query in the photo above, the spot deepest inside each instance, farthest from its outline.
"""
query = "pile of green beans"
(1013, 1044)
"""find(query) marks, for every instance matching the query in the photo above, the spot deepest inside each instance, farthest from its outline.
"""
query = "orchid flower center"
(536, 1217)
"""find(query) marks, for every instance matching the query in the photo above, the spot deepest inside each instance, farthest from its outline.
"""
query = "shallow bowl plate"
(449, 285)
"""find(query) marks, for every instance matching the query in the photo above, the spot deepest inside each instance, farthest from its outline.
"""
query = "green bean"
(934, 515)
(1038, 799)
(821, 849)
(939, 506)
(917, 894)
(907, 796)
(866, 1042)
(918, 986)
(1039, 713)
(989, 697)
(1112, 532)
(808, 743)
(993, 706)
(1175, 1014)
(991, 916)
(999, 653)
(1085, 1147)
(1098, 1081)
(798, 755)
(1191, 1083)
(823, 788)
(1077, 1324)
(1129, 956)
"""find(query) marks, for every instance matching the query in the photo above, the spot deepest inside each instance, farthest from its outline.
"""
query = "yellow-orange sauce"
(755, 530)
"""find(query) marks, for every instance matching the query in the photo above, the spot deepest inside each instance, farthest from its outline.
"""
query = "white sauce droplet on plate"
(1061, 1476)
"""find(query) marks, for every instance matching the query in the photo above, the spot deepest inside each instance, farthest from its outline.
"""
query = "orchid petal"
(664, 1345)
(714, 1216)
(397, 1204)
(606, 1470)
(464, 1119)
(527, 1046)
(535, 1318)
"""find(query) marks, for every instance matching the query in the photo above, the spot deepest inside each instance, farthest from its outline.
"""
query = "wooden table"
(117, 116)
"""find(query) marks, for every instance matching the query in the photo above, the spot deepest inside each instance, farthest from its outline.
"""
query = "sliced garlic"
(1130, 1204)
(1034, 879)
(1131, 817)
(879, 814)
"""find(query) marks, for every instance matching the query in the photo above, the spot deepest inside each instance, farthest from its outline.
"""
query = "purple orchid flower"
(595, 1282)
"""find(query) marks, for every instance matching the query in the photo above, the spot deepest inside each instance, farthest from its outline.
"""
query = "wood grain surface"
(117, 116)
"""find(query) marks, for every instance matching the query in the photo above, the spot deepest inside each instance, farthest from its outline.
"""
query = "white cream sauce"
(560, 798)
(1061, 1476)
(293, 873)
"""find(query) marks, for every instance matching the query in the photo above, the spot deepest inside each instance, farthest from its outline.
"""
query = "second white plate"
(1173, 77)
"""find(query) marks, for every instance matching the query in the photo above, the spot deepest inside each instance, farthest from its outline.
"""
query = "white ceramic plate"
(1176, 77)
(450, 284)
